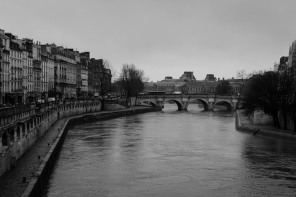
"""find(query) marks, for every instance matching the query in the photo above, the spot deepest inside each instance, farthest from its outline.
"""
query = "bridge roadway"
(183, 100)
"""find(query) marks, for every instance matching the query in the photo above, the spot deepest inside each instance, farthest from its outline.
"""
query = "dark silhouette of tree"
(291, 84)
(131, 81)
(284, 88)
(223, 88)
(261, 93)
(115, 88)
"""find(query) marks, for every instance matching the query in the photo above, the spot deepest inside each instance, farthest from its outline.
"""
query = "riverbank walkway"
(12, 183)
(244, 123)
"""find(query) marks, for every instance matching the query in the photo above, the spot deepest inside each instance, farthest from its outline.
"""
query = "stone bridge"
(183, 100)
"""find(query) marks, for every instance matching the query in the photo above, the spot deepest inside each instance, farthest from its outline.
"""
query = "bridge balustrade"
(183, 100)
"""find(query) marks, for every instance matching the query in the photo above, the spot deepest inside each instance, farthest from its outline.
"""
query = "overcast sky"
(162, 37)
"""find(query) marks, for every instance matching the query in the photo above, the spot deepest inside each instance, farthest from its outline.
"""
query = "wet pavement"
(11, 183)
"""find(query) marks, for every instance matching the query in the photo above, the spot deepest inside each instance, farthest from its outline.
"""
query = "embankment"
(244, 124)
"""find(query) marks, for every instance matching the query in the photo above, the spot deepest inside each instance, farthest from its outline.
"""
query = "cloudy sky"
(162, 37)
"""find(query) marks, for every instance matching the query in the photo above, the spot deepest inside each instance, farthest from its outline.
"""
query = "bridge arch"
(179, 104)
(145, 102)
(224, 102)
(202, 101)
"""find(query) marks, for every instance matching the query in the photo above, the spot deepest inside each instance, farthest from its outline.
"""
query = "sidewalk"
(11, 183)
(244, 123)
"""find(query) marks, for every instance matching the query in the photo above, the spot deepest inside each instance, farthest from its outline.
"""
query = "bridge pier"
(210, 105)
(185, 104)
(234, 104)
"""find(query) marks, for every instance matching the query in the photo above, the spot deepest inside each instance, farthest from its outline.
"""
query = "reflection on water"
(172, 153)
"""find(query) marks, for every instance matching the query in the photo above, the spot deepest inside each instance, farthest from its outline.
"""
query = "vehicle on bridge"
(177, 92)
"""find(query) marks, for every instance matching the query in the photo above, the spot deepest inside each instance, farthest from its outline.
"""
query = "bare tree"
(243, 75)
(131, 80)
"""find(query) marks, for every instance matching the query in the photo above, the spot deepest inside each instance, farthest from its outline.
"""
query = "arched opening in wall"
(147, 103)
(24, 129)
(4, 139)
(11, 135)
(222, 106)
(18, 132)
(172, 105)
(197, 105)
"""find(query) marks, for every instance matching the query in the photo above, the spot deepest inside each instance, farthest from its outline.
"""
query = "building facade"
(47, 72)
(65, 72)
(29, 81)
(201, 87)
(188, 76)
(86, 74)
(31, 72)
(101, 77)
(15, 96)
(37, 72)
(4, 66)
(210, 77)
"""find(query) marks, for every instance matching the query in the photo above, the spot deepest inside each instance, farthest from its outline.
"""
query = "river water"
(172, 153)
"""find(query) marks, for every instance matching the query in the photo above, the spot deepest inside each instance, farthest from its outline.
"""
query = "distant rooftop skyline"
(163, 38)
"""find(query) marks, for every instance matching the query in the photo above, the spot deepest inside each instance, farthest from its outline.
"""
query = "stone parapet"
(23, 129)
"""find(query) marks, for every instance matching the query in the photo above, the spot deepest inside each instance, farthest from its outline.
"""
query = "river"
(172, 153)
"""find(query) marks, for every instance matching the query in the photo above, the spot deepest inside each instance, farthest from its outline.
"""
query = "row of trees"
(273, 92)
(129, 83)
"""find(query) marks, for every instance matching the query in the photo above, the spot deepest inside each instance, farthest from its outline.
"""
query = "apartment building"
(30, 71)
(65, 72)
(16, 94)
(86, 75)
(4, 66)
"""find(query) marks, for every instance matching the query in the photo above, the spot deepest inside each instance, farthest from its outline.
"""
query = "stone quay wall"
(243, 123)
(21, 126)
